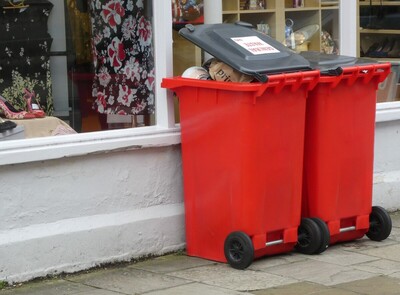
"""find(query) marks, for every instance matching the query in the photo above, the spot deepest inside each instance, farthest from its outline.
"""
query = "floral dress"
(25, 53)
(123, 57)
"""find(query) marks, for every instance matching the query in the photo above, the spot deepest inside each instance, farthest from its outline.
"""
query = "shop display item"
(387, 48)
(299, 39)
(196, 73)
(6, 125)
(305, 34)
(328, 45)
(298, 3)
(123, 57)
(220, 71)
(32, 105)
(289, 37)
(11, 113)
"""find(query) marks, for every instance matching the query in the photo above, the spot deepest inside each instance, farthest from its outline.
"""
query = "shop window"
(87, 64)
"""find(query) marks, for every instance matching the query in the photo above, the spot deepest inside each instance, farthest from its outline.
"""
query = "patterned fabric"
(24, 54)
(123, 57)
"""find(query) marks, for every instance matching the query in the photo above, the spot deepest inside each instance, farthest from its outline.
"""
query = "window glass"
(84, 65)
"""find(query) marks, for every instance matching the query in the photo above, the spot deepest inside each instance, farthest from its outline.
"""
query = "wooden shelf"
(378, 3)
(249, 11)
(299, 9)
(380, 31)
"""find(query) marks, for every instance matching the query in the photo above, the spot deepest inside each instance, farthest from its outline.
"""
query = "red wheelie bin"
(339, 150)
(242, 153)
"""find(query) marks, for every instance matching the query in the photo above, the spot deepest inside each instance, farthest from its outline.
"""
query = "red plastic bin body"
(242, 155)
(339, 150)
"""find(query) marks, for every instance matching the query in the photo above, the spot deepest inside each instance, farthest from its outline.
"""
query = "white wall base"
(81, 243)
(73, 214)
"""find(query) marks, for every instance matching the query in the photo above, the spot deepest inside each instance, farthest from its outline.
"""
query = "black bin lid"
(331, 64)
(245, 49)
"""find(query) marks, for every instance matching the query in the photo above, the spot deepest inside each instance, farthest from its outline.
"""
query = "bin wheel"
(325, 235)
(239, 250)
(380, 224)
(309, 237)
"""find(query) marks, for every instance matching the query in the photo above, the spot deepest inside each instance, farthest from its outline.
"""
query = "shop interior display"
(379, 31)
(379, 39)
(25, 58)
(312, 22)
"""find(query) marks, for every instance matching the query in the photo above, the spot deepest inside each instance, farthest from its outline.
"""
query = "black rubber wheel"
(325, 235)
(239, 250)
(380, 224)
(309, 237)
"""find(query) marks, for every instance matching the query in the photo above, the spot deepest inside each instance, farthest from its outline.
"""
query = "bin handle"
(294, 79)
(276, 81)
(368, 72)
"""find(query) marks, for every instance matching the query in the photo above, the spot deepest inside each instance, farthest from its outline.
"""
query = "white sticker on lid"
(255, 45)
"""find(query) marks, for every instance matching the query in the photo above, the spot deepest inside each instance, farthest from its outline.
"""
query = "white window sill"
(387, 111)
(63, 146)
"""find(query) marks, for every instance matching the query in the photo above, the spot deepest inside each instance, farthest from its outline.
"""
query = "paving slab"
(395, 234)
(363, 244)
(320, 272)
(171, 263)
(395, 216)
(196, 289)
(222, 275)
(336, 255)
(128, 280)
(272, 261)
(303, 288)
(373, 286)
(395, 275)
(391, 252)
(52, 287)
(380, 266)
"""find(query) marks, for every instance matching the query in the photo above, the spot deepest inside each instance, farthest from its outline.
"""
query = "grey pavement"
(356, 267)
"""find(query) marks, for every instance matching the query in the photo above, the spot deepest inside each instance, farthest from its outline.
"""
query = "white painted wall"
(71, 214)
(387, 165)
(387, 156)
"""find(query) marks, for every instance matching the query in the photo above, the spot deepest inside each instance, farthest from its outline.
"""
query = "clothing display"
(24, 53)
(123, 57)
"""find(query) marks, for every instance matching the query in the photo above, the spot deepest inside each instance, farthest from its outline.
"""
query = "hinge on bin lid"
(244, 24)
(190, 28)
(333, 72)
(260, 77)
